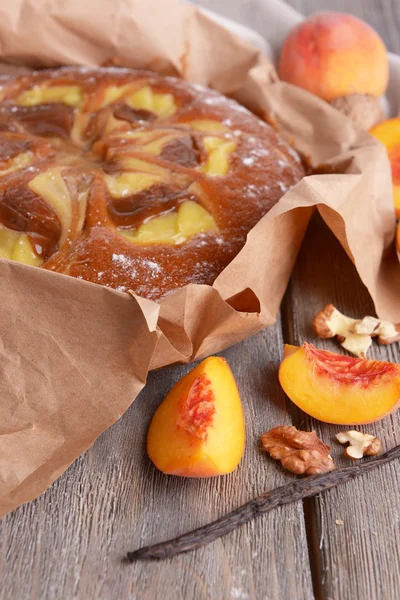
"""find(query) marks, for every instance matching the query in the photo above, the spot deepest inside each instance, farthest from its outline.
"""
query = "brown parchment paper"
(73, 355)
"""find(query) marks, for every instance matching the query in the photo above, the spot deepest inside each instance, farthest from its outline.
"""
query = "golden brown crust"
(88, 141)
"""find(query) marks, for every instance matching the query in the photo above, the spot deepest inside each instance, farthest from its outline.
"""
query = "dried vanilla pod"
(293, 492)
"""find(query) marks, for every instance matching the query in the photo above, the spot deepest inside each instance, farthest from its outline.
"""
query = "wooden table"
(343, 545)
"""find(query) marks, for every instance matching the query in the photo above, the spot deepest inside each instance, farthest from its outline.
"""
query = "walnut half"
(300, 452)
(360, 444)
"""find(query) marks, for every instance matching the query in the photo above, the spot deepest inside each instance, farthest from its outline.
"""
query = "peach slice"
(161, 104)
(50, 186)
(218, 150)
(198, 430)
(68, 94)
(388, 132)
(173, 228)
(17, 246)
(339, 389)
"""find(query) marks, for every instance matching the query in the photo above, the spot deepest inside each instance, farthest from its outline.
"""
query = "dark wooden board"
(361, 557)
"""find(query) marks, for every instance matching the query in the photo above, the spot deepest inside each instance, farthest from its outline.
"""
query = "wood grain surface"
(69, 543)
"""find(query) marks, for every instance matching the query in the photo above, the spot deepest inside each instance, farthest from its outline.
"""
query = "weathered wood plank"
(359, 558)
(69, 543)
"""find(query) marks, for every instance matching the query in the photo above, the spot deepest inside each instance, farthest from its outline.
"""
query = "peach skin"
(198, 430)
(335, 54)
(388, 132)
(339, 389)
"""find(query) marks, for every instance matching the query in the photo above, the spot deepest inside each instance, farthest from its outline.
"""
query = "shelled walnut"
(360, 444)
(355, 335)
(300, 452)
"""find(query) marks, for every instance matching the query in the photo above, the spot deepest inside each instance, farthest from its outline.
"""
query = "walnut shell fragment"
(300, 452)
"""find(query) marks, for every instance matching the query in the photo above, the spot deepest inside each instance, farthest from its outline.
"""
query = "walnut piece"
(355, 335)
(364, 110)
(300, 452)
(360, 444)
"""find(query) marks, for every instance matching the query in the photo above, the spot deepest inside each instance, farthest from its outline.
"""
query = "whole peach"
(334, 54)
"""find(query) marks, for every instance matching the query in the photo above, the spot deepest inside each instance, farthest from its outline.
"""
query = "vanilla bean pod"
(297, 490)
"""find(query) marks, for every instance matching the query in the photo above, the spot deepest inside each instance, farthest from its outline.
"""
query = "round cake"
(132, 180)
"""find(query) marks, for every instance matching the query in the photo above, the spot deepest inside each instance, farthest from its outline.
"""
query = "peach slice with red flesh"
(339, 389)
(388, 132)
(198, 430)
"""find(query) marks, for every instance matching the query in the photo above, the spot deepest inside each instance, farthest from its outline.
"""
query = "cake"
(132, 180)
